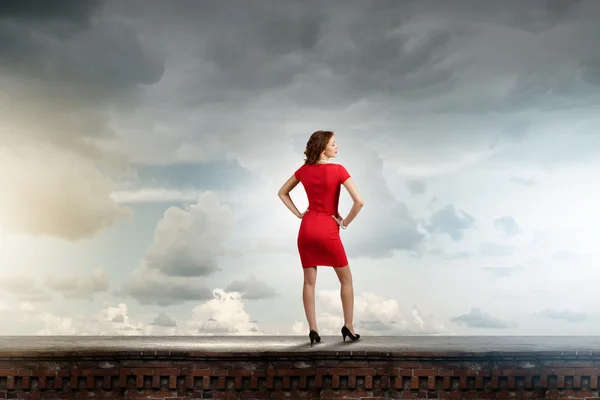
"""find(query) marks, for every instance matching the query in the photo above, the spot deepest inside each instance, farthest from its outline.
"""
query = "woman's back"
(322, 183)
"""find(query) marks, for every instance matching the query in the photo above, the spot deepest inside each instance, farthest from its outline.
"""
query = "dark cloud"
(152, 289)
(479, 319)
(66, 67)
(41, 10)
(451, 71)
(163, 319)
(252, 289)
(416, 187)
(448, 220)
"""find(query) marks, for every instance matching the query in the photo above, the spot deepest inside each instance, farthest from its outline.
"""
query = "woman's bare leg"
(308, 296)
(347, 295)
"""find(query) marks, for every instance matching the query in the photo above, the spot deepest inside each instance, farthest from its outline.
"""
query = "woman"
(319, 240)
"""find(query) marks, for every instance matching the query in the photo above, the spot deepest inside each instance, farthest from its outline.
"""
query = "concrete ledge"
(287, 367)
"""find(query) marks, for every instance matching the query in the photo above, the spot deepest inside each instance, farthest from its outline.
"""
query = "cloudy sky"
(143, 144)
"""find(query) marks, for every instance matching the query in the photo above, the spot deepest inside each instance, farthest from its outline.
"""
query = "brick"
(414, 382)
(189, 382)
(464, 372)
(425, 372)
(495, 384)
(335, 381)
(221, 382)
(431, 382)
(398, 383)
(478, 382)
(446, 382)
(511, 382)
(520, 372)
(344, 371)
(166, 371)
(141, 371)
(25, 381)
(361, 371)
(270, 381)
(564, 371)
(587, 371)
(401, 372)
(300, 375)
(201, 372)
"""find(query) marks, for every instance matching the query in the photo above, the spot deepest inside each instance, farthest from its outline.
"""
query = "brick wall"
(302, 375)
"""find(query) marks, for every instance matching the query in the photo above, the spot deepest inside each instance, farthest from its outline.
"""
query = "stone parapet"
(261, 367)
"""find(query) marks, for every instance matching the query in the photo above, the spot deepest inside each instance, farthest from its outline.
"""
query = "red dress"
(319, 240)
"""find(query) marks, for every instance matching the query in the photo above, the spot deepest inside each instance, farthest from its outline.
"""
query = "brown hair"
(315, 146)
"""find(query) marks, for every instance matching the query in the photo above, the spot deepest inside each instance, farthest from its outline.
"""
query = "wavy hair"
(315, 146)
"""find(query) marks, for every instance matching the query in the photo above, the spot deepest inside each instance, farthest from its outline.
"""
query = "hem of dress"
(332, 266)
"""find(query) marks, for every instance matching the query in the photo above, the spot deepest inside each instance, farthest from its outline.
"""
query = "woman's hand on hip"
(339, 220)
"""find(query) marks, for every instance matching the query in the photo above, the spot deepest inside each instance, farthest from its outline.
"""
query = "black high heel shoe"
(346, 332)
(314, 336)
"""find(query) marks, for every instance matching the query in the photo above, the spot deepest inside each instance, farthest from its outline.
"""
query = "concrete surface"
(470, 344)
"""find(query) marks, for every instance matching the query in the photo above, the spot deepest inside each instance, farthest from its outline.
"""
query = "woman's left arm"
(284, 195)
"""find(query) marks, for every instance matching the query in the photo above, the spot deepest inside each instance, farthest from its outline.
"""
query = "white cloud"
(185, 249)
(223, 315)
(187, 242)
(109, 320)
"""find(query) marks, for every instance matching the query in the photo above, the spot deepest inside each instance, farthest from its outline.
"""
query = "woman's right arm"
(356, 198)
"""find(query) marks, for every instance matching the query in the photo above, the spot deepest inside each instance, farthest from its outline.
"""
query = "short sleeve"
(298, 173)
(343, 175)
